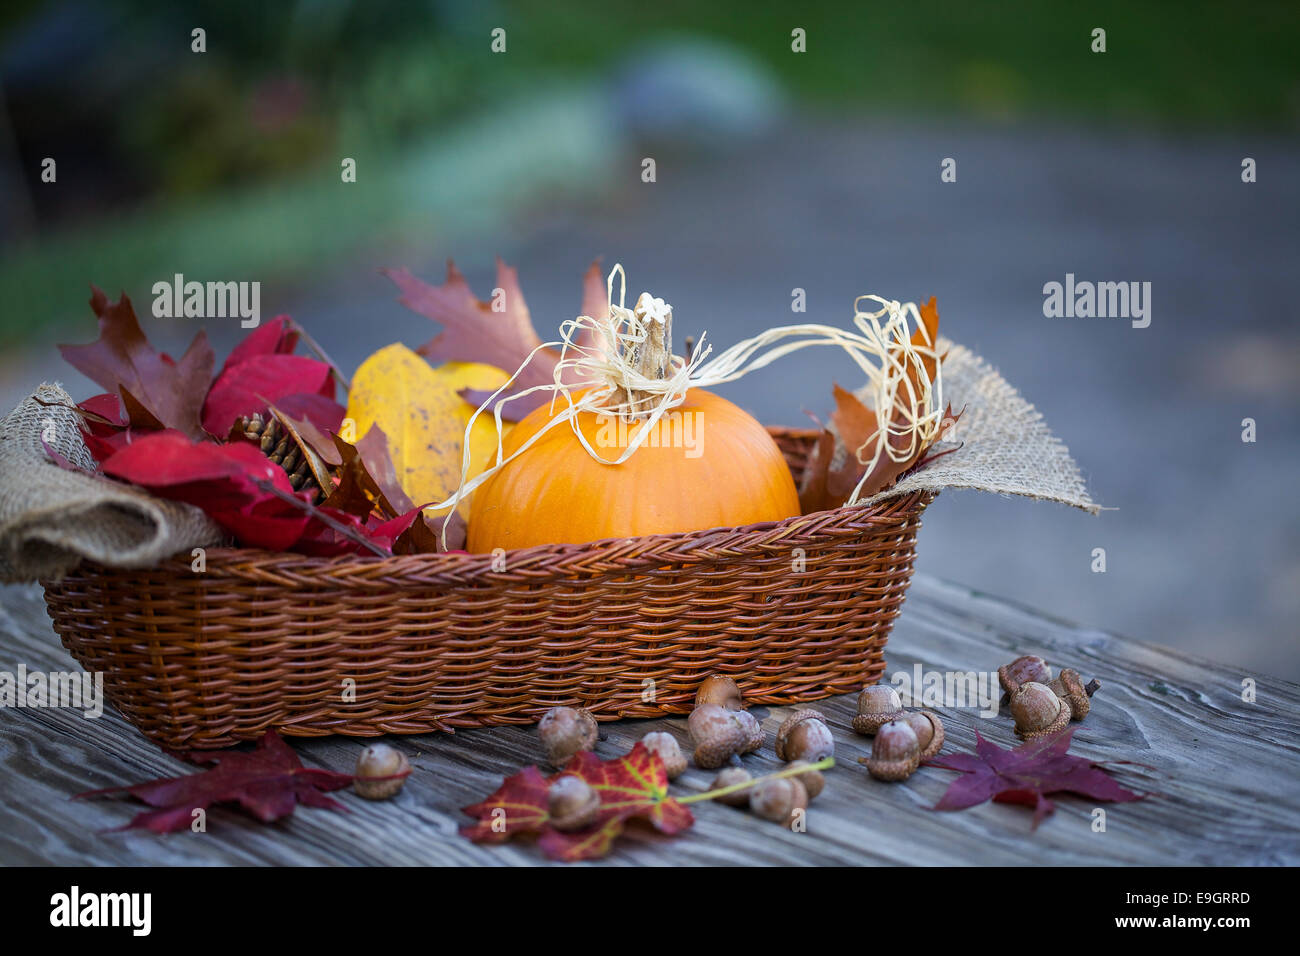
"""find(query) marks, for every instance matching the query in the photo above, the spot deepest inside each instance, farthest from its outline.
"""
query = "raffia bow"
(595, 362)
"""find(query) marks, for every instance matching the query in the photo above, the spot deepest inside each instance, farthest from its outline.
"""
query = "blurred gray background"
(775, 170)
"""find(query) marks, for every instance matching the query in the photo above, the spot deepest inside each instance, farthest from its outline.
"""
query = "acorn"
(729, 777)
(572, 803)
(565, 731)
(804, 736)
(1069, 686)
(812, 780)
(717, 734)
(720, 690)
(665, 746)
(1028, 667)
(895, 753)
(381, 772)
(754, 735)
(878, 704)
(779, 799)
(1038, 711)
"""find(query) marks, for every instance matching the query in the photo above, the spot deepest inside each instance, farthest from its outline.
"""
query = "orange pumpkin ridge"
(712, 466)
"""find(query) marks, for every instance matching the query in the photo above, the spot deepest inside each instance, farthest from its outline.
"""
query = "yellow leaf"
(424, 418)
(458, 376)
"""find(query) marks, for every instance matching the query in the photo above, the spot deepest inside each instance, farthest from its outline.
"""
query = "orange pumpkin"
(710, 465)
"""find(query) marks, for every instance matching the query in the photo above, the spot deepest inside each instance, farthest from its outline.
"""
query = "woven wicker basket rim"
(641, 554)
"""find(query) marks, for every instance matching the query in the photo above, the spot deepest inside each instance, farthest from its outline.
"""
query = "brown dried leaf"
(472, 332)
(838, 462)
(162, 389)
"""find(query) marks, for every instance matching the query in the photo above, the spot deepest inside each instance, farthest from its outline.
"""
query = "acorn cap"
(878, 704)
(1027, 667)
(721, 690)
(1069, 687)
(930, 737)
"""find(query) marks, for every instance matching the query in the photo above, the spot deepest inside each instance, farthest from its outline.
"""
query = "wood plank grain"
(1226, 771)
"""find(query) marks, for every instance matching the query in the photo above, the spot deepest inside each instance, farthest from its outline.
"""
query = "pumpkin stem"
(650, 356)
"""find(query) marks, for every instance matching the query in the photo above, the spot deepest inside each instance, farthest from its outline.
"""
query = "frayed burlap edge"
(51, 518)
(1003, 444)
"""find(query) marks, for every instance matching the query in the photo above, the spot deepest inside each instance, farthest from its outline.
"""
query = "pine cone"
(280, 447)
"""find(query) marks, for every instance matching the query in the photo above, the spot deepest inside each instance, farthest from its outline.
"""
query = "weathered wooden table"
(1228, 771)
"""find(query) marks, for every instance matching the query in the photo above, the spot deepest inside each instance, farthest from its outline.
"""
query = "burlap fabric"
(1005, 446)
(52, 518)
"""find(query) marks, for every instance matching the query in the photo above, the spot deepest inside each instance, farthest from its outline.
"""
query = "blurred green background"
(228, 161)
(776, 170)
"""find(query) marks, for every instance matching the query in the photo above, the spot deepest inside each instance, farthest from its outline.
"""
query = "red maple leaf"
(157, 390)
(634, 786)
(415, 533)
(474, 332)
(277, 337)
(103, 425)
(1026, 775)
(226, 481)
(322, 412)
(249, 387)
(267, 782)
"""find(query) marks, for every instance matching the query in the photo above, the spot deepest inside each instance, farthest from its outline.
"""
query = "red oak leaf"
(105, 448)
(268, 782)
(519, 805)
(1026, 775)
(223, 480)
(595, 302)
(122, 360)
(474, 332)
(634, 786)
(138, 415)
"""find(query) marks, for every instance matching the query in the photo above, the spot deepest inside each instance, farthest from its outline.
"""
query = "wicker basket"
(796, 610)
